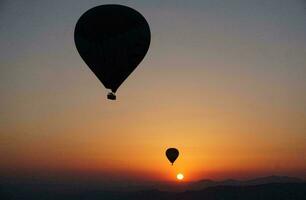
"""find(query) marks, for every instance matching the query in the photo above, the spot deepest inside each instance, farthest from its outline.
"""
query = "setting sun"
(180, 176)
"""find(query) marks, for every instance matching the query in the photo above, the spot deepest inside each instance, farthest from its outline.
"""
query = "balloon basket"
(111, 96)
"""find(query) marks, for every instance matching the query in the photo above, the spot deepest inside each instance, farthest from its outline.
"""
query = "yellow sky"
(224, 86)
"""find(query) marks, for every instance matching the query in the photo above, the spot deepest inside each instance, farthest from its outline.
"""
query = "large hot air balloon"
(172, 154)
(112, 40)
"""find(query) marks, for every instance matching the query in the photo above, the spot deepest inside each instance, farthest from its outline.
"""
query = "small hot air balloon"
(172, 154)
(112, 40)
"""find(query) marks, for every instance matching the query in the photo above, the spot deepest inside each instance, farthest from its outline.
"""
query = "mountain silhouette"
(232, 182)
(278, 188)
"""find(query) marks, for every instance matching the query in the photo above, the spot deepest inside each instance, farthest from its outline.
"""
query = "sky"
(223, 81)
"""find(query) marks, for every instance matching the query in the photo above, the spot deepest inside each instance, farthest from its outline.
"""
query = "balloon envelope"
(112, 40)
(172, 154)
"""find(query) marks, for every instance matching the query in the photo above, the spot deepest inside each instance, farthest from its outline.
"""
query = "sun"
(180, 176)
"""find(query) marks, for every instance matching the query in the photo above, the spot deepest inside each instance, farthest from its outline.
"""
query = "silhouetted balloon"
(112, 40)
(172, 154)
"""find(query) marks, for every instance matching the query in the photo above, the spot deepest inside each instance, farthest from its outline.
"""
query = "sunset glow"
(180, 176)
(223, 82)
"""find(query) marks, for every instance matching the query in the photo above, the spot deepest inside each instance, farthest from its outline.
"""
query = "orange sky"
(224, 86)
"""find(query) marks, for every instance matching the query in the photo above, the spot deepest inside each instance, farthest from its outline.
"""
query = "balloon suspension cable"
(111, 96)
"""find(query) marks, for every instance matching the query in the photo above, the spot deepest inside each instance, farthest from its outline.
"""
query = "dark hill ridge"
(265, 188)
(272, 191)
(277, 191)
(232, 182)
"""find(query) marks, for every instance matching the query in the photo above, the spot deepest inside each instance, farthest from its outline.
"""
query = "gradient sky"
(223, 81)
